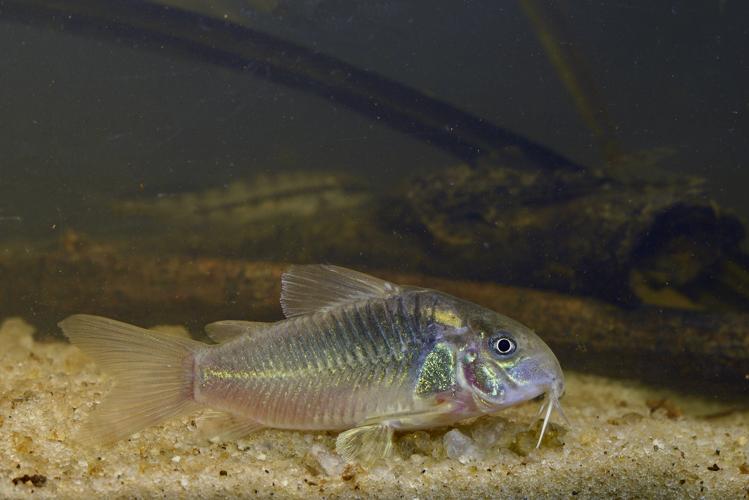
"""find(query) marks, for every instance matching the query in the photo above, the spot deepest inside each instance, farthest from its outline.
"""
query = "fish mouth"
(517, 395)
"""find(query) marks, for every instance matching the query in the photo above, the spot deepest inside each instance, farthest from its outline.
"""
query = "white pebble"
(176, 459)
(330, 462)
(460, 447)
(487, 433)
(244, 444)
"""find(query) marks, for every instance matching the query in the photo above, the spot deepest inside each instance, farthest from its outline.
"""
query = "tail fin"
(153, 372)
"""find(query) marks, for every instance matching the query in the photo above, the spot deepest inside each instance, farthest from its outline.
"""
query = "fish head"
(502, 362)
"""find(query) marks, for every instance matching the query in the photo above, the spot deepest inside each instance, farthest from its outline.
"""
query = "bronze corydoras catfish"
(355, 354)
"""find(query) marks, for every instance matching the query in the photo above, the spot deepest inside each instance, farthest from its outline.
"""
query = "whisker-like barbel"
(551, 402)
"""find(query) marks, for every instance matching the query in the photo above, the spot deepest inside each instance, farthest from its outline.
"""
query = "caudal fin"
(153, 374)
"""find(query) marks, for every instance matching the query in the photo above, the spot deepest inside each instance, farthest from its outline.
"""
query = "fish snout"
(550, 371)
(554, 377)
(544, 375)
(556, 387)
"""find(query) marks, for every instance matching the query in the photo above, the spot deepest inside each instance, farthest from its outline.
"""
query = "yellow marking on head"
(448, 318)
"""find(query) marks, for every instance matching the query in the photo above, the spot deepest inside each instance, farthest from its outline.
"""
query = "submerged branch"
(220, 42)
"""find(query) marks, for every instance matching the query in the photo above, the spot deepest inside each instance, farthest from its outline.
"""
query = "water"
(133, 136)
(584, 163)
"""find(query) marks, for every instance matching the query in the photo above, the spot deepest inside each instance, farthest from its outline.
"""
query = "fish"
(356, 354)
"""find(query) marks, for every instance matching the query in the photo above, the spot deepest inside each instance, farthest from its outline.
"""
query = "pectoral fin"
(365, 444)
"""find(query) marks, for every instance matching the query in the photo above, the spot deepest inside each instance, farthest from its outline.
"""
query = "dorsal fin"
(222, 331)
(308, 289)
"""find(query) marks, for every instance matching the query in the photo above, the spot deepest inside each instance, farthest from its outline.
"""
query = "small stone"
(244, 444)
(666, 406)
(460, 447)
(176, 459)
(349, 472)
(626, 419)
(15, 332)
(37, 480)
(329, 462)
(418, 442)
(487, 432)
(714, 467)
(311, 465)
(524, 442)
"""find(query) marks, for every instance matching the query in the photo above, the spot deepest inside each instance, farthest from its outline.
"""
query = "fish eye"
(502, 344)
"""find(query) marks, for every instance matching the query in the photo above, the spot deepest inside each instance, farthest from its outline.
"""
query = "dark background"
(84, 120)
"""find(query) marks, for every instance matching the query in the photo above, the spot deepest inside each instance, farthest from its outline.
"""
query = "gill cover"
(483, 379)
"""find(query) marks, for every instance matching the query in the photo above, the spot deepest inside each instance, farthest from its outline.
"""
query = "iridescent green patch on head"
(488, 381)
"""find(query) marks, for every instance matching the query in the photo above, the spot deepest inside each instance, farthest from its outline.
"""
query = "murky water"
(580, 167)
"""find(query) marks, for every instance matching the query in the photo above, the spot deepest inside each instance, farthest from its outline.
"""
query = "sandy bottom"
(625, 440)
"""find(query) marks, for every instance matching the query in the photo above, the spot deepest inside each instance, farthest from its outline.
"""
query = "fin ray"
(311, 288)
(365, 444)
(153, 374)
(221, 426)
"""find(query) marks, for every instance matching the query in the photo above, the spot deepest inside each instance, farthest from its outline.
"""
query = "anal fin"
(365, 444)
(219, 426)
